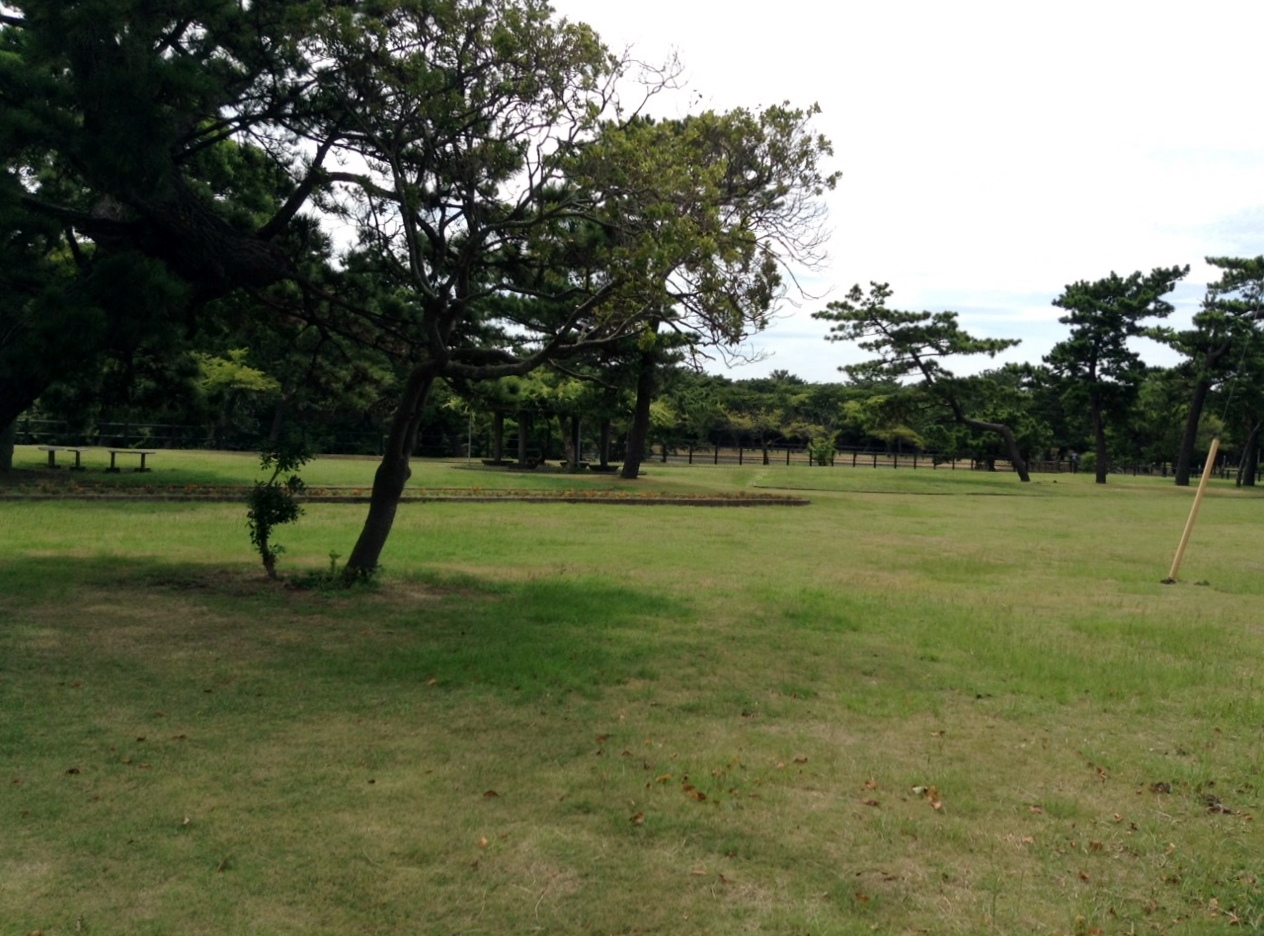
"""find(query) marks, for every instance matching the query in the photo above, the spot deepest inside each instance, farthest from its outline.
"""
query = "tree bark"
(1250, 463)
(7, 437)
(605, 443)
(391, 476)
(524, 427)
(639, 431)
(1011, 444)
(1185, 457)
(1099, 437)
(498, 436)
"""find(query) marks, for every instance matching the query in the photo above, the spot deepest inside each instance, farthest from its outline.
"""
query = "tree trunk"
(1185, 457)
(17, 395)
(1250, 463)
(1011, 444)
(1099, 436)
(498, 436)
(524, 429)
(391, 476)
(605, 443)
(7, 437)
(639, 431)
(574, 445)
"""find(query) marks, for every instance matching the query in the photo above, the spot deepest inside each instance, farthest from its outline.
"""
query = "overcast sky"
(992, 152)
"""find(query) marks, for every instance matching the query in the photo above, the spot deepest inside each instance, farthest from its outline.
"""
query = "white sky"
(992, 152)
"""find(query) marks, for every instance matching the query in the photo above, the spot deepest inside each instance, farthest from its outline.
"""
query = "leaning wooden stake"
(1193, 511)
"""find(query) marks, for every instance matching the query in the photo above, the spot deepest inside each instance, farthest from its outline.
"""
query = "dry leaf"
(870, 802)
(698, 795)
(1084, 876)
(800, 759)
(482, 842)
(490, 793)
(638, 819)
(871, 784)
(432, 682)
(1095, 846)
(73, 770)
(699, 872)
(187, 820)
(601, 738)
(663, 778)
(1038, 810)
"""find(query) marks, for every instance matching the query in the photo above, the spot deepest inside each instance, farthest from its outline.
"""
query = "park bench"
(124, 451)
(52, 451)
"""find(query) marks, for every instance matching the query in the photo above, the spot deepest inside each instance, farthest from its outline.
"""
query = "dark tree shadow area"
(151, 623)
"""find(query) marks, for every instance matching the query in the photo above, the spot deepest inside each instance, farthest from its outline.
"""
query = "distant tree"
(1101, 371)
(1226, 324)
(915, 344)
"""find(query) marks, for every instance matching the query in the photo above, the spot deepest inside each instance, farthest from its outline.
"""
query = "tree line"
(308, 214)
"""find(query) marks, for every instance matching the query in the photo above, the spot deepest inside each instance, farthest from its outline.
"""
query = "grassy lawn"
(929, 702)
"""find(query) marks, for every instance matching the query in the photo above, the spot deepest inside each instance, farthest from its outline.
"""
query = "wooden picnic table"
(52, 451)
(127, 451)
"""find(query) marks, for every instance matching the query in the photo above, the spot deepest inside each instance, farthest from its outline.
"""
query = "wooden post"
(1193, 512)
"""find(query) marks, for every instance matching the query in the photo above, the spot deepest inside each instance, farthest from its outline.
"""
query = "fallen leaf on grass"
(490, 794)
(73, 770)
(482, 842)
(663, 778)
(800, 759)
(638, 819)
(1038, 810)
(869, 802)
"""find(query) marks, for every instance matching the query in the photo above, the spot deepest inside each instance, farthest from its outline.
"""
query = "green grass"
(595, 718)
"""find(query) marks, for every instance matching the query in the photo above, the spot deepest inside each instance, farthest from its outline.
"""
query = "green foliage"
(821, 450)
(272, 502)
(1101, 373)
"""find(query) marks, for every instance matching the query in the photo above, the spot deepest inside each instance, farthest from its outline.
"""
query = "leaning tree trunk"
(1011, 444)
(1185, 457)
(639, 431)
(391, 476)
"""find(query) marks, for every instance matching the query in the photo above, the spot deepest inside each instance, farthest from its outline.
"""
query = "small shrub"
(821, 451)
(271, 503)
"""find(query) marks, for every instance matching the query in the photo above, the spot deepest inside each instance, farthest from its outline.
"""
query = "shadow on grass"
(540, 637)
